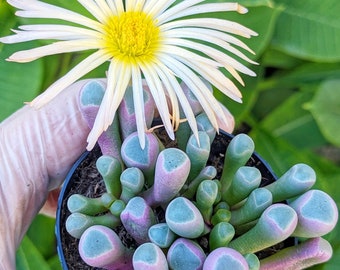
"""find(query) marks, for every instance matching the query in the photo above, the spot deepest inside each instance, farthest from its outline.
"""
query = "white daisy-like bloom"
(161, 41)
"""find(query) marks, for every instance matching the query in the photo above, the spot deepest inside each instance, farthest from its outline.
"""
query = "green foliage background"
(291, 109)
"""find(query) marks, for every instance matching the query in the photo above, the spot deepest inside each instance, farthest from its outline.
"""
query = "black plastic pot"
(83, 167)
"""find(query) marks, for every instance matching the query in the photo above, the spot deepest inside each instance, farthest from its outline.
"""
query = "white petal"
(175, 50)
(54, 48)
(119, 76)
(235, 74)
(229, 124)
(112, 6)
(134, 5)
(198, 88)
(138, 103)
(157, 92)
(93, 8)
(22, 36)
(170, 14)
(215, 54)
(116, 6)
(33, 4)
(176, 9)
(177, 32)
(156, 7)
(104, 7)
(215, 77)
(120, 6)
(123, 77)
(100, 121)
(61, 28)
(171, 82)
(212, 23)
(53, 12)
(175, 110)
(85, 66)
(185, 33)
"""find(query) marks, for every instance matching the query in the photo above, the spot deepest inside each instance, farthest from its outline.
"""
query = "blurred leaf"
(29, 258)
(307, 73)
(54, 263)
(7, 21)
(54, 67)
(18, 82)
(270, 100)
(7, 18)
(253, 3)
(41, 233)
(294, 124)
(277, 59)
(325, 108)
(309, 29)
(311, 73)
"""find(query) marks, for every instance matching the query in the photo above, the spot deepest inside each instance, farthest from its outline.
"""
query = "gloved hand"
(37, 148)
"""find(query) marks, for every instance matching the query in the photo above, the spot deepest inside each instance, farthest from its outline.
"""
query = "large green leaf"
(277, 59)
(325, 108)
(309, 29)
(54, 263)
(18, 82)
(44, 240)
(306, 73)
(291, 122)
(29, 258)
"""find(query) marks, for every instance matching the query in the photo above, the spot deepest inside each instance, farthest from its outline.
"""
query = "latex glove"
(37, 148)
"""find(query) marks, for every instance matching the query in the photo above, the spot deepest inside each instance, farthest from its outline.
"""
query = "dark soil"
(87, 181)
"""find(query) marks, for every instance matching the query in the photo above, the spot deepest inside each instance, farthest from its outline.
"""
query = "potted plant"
(164, 207)
(179, 51)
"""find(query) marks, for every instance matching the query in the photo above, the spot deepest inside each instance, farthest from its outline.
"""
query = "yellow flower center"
(131, 37)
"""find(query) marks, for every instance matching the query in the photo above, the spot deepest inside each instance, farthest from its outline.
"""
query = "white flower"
(157, 40)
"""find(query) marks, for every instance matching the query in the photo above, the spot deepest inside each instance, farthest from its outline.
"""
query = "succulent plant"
(181, 216)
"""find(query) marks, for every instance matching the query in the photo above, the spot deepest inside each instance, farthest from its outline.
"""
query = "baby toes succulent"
(171, 172)
(317, 214)
(185, 254)
(180, 210)
(145, 158)
(276, 224)
(225, 258)
(100, 246)
(306, 254)
(149, 256)
(184, 218)
(137, 218)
